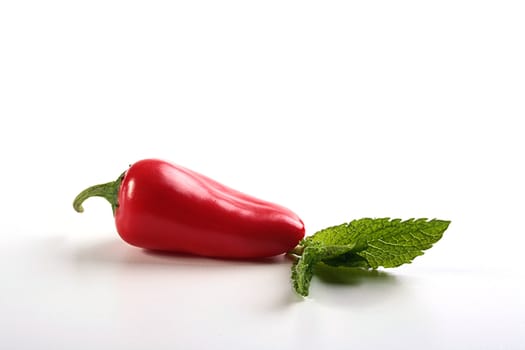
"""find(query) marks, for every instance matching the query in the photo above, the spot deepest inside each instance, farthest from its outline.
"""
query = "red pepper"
(162, 206)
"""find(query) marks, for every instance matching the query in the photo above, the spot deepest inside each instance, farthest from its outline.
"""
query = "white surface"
(335, 110)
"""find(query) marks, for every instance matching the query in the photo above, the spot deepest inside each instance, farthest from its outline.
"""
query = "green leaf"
(349, 259)
(381, 242)
(302, 270)
(366, 243)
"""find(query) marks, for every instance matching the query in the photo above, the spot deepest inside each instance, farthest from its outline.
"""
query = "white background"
(338, 110)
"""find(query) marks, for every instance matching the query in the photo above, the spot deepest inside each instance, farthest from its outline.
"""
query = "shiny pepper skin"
(162, 206)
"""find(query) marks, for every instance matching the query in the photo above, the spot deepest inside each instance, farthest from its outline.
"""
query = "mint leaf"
(302, 270)
(366, 243)
(396, 242)
(349, 259)
(381, 242)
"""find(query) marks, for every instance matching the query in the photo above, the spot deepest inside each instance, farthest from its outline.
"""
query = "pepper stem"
(109, 191)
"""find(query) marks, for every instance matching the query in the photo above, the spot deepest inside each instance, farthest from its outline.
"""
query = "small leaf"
(349, 259)
(302, 270)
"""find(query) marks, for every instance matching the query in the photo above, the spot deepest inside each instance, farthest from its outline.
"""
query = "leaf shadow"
(352, 276)
(353, 287)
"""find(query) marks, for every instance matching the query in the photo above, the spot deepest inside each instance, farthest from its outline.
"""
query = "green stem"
(109, 191)
(298, 250)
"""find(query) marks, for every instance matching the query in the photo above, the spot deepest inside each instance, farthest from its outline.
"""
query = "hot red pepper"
(162, 206)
